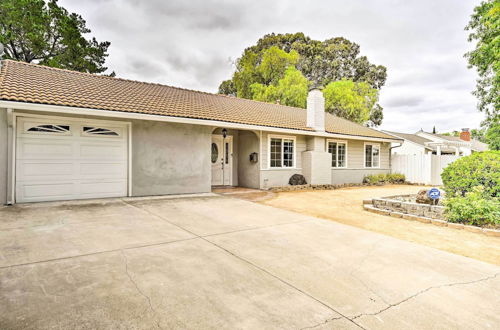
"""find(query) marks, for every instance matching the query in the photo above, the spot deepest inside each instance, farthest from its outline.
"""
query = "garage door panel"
(45, 191)
(44, 169)
(102, 151)
(98, 170)
(103, 188)
(59, 160)
(30, 149)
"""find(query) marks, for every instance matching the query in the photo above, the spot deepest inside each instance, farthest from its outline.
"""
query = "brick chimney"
(465, 134)
(316, 110)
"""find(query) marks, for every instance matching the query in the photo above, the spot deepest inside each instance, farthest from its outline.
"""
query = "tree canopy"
(281, 67)
(484, 27)
(45, 33)
(350, 100)
(492, 136)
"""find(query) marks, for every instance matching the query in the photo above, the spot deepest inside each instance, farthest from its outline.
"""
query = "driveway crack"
(424, 291)
(139, 290)
(252, 264)
(323, 323)
(360, 264)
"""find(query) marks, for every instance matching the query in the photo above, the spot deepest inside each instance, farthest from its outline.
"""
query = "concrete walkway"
(213, 262)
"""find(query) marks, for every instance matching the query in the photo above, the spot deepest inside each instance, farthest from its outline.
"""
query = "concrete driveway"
(213, 262)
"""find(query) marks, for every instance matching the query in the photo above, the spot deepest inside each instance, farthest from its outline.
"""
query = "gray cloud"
(403, 101)
(188, 44)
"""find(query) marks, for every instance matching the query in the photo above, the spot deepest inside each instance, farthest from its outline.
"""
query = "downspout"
(390, 154)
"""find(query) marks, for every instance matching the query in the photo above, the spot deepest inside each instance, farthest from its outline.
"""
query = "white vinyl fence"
(421, 168)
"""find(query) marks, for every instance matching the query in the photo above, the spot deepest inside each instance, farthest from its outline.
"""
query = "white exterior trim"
(15, 115)
(379, 154)
(283, 137)
(346, 152)
(11, 152)
(182, 120)
(129, 190)
(261, 164)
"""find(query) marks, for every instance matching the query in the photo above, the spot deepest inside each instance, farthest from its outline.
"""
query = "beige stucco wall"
(248, 172)
(170, 158)
(167, 158)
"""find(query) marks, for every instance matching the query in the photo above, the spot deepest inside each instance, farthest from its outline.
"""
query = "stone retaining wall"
(423, 210)
(437, 222)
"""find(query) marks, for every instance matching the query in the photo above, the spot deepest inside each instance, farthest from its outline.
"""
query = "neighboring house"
(69, 135)
(437, 144)
(423, 156)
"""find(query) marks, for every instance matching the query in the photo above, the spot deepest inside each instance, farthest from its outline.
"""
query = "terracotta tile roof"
(33, 83)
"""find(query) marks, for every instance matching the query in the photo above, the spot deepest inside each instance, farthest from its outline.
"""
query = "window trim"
(282, 137)
(117, 130)
(379, 154)
(33, 124)
(346, 152)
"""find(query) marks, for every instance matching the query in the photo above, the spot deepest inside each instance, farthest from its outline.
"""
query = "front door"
(222, 160)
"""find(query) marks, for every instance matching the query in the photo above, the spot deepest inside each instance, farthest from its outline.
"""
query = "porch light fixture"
(224, 133)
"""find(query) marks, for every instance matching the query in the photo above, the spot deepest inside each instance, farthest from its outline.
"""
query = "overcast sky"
(192, 44)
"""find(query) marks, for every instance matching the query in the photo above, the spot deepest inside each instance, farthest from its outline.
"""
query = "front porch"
(235, 158)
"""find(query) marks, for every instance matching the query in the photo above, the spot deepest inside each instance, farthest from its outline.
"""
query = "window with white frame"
(281, 152)
(372, 155)
(338, 149)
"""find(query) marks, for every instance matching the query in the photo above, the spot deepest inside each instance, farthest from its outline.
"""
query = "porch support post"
(438, 152)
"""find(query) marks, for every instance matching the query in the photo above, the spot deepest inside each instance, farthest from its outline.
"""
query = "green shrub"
(396, 178)
(478, 169)
(473, 209)
(384, 178)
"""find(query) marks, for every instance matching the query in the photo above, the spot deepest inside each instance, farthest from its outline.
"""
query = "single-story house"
(437, 144)
(70, 135)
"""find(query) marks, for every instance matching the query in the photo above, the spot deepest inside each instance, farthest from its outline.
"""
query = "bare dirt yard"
(345, 206)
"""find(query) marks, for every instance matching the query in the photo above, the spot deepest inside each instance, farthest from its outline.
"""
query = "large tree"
(45, 33)
(484, 28)
(355, 101)
(492, 136)
(263, 66)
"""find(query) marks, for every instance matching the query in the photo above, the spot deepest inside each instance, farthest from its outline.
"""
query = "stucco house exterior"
(69, 135)
(437, 144)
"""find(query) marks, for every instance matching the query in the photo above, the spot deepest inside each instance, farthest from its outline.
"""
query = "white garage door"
(58, 159)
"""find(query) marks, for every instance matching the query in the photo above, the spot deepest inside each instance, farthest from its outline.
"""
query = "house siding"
(271, 177)
(299, 148)
(356, 171)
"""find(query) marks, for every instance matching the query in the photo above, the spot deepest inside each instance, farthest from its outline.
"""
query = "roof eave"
(185, 120)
